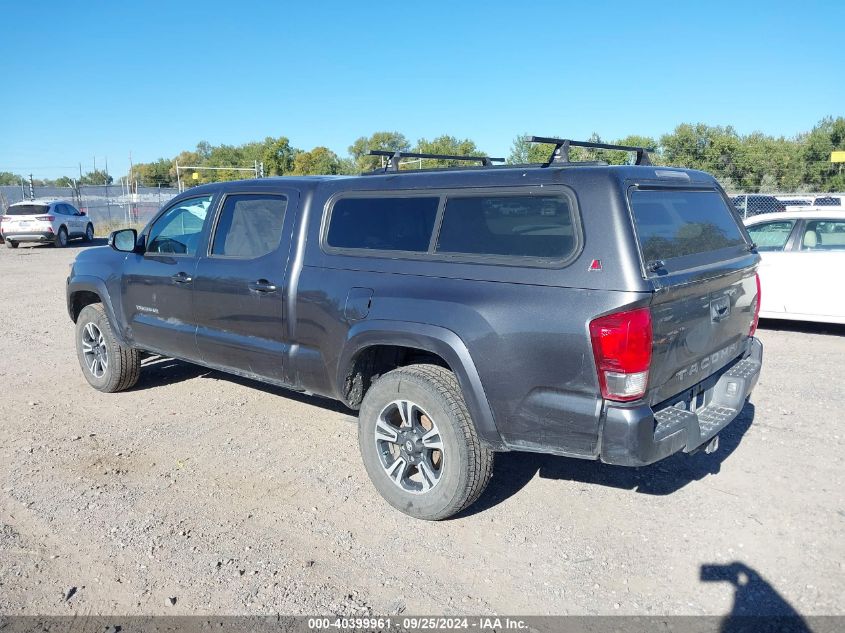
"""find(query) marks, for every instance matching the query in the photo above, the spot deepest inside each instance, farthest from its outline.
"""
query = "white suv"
(45, 221)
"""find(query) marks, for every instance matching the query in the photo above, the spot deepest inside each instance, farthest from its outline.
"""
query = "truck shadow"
(72, 244)
(513, 471)
(804, 327)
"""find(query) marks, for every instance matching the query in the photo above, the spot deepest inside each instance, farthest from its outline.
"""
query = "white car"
(45, 221)
(803, 255)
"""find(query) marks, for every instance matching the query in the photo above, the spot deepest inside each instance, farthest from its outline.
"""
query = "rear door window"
(250, 225)
(388, 223)
(512, 226)
(824, 235)
(676, 224)
(771, 236)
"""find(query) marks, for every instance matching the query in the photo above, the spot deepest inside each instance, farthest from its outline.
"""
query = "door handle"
(181, 278)
(262, 285)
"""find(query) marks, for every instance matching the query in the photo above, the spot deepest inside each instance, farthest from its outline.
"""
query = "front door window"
(178, 230)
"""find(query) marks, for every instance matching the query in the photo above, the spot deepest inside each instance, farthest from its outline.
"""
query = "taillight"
(45, 218)
(622, 349)
(756, 318)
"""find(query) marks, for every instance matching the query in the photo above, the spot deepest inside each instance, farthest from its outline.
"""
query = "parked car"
(45, 221)
(803, 259)
(755, 204)
(828, 201)
(791, 203)
(611, 319)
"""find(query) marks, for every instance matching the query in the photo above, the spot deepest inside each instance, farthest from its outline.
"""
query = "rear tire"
(11, 244)
(107, 365)
(61, 238)
(419, 444)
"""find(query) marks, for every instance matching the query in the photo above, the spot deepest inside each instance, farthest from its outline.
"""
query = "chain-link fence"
(750, 204)
(110, 207)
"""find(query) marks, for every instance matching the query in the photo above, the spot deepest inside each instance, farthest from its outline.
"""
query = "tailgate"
(699, 328)
(697, 256)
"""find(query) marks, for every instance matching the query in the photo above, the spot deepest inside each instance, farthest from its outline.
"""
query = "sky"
(98, 80)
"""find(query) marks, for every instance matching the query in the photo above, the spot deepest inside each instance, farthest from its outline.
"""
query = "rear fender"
(437, 340)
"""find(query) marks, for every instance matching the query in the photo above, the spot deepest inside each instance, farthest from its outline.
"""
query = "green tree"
(64, 181)
(96, 177)
(448, 145)
(319, 161)
(387, 141)
(826, 137)
(157, 173)
(278, 156)
(523, 152)
(8, 178)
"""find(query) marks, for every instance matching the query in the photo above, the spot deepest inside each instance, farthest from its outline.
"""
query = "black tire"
(89, 233)
(123, 364)
(61, 238)
(11, 244)
(466, 465)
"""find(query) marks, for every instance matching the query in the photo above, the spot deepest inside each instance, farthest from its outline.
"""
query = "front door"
(158, 284)
(776, 279)
(240, 284)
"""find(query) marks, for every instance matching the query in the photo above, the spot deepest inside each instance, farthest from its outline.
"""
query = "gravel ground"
(199, 493)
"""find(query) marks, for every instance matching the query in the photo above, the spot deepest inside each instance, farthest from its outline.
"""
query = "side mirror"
(124, 241)
(82, 213)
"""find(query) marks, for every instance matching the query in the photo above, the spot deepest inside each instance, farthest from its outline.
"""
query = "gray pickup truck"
(581, 309)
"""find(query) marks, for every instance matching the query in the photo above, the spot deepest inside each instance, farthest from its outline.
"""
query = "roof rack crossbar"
(562, 145)
(396, 157)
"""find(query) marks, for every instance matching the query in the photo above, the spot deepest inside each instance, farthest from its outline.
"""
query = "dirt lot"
(200, 493)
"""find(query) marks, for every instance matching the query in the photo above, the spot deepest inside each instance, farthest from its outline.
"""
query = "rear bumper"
(637, 436)
(35, 236)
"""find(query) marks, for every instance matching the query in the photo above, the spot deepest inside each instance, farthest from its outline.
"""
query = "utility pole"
(106, 183)
(178, 177)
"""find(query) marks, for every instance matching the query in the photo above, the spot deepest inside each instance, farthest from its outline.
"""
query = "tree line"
(750, 162)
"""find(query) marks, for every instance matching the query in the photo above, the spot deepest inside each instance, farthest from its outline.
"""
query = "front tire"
(419, 444)
(89, 233)
(107, 365)
(61, 238)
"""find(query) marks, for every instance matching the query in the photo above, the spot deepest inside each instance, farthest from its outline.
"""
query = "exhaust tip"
(712, 445)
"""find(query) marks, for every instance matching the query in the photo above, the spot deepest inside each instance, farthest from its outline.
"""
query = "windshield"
(27, 209)
(678, 223)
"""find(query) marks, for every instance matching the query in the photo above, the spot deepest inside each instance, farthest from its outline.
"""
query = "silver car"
(45, 221)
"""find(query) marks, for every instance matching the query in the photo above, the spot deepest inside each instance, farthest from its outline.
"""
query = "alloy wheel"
(94, 350)
(409, 446)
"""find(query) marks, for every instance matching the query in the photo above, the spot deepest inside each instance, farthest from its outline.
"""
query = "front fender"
(437, 340)
(88, 283)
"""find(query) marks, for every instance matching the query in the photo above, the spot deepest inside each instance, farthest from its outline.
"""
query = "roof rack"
(395, 157)
(562, 145)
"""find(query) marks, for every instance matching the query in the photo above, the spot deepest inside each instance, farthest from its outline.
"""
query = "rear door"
(158, 284)
(241, 282)
(815, 268)
(70, 219)
(697, 256)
